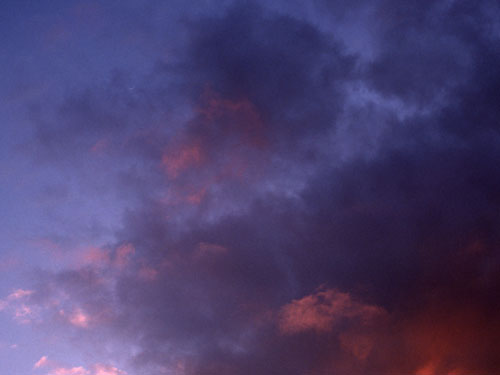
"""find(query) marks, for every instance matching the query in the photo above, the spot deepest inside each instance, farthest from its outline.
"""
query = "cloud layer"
(285, 201)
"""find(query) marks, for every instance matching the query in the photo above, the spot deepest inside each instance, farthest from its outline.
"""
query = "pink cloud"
(320, 312)
(101, 369)
(56, 368)
(197, 197)
(241, 115)
(23, 314)
(208, 249)
(15, 302)
(176, 161)
(96, 256)
(79, 319)
(42, 362)
(123, 254)
(19, 293)
(148, 273)
(97, 369)
(69, 371)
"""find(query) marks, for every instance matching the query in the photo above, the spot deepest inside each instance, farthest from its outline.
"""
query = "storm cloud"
(290, 189)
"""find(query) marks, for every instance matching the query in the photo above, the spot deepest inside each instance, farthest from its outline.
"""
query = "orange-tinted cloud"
(451, 340)
(320, 312)
(358, 344)
(428, 369)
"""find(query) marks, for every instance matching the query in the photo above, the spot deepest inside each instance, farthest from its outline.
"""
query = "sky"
(237, 187)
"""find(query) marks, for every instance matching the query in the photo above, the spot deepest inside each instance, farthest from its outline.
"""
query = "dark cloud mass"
(287, 203)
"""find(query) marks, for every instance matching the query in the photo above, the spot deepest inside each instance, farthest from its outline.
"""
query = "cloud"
(42, 362)
(323, 310)
(180, 160)
(19, 304)
(96, 369)
(360, 345)
(96, 256)
(19, 294)
(208, 249)
(79, 319)
(101, 369)
(296, 164)
(69, 371)
(123, 254)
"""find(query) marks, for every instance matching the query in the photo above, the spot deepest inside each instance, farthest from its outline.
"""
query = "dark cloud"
(249, 216)
(302, 69)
